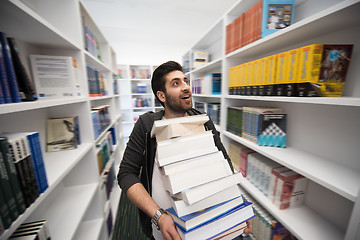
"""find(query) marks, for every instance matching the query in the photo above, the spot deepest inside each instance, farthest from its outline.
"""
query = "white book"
(181, 148)
(273, 181)
(193, 195)
(192, 163)
(182, 208)
(267, 172)
(180, 181)
(178, 127)
(55, 76)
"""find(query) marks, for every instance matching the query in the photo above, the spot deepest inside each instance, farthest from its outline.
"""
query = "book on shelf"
(55, 76)
(234, 120)
(195, 145)
(220, 224)
(176, 127)
(273, 181)
(201, 106)
(7, 191)
(33, 141)
(195, 219)
(195, 194)
(21, 156)
(182, 208)
(97, 82)
(9, 69)
(290, 190)
(200, 59)
(276, 15)
(8, 167)
(60, 134)
(101, 119)
(26, 88)
(214, 111)
(38, 230)
(198, 171)
(323, 69)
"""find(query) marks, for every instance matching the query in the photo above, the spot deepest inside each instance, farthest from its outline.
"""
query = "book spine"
(11, 170)
(4, 79)
(4, 211)
(5, 185)
(13, 85)
(26, 89)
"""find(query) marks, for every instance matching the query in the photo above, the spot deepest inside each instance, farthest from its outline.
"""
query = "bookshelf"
(74, 204)
(136, 94)
(322, 134)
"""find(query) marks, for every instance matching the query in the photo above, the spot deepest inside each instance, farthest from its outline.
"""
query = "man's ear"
(161, 96)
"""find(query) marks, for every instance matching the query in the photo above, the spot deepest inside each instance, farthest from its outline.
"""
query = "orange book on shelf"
(241, 30)
(236, 33)
(227, 43)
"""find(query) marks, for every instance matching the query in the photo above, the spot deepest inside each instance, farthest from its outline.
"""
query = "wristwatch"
(156, 217)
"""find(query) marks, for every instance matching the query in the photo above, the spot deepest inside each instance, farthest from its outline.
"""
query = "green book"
(10, 167)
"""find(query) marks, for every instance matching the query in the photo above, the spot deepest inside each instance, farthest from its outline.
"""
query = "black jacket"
(139, 156)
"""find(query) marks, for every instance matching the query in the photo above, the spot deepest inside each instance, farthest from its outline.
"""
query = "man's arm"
(140, 197)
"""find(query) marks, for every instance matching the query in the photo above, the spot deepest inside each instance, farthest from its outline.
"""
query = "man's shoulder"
(148, 118)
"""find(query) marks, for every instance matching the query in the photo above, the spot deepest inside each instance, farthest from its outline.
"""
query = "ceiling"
(154, 31)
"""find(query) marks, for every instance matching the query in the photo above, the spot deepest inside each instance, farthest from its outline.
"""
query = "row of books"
(15, 82)
(208, 84)
(139, 102)
(62, 133)
(263, 18)
(140, 72)
(101, 119)
(104, 149)
(97, 82)
(312, 70)
(203, 190)
(265, 226)
(265, 126)
(284, 187)
(91, 42)
(212, 109)
(36, 230)
(22, 172)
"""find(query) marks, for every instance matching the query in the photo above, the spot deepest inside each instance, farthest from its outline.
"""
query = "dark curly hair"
(158, 77)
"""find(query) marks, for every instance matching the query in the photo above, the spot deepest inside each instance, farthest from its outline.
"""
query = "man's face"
(178, 92)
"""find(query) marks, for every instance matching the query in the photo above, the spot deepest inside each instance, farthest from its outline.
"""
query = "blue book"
(5, 89)
(196, 219)
(38, 161)
(13, 85)
(219, 224)
(277, 14)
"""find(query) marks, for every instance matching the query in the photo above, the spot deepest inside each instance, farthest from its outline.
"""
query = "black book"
(26, 89)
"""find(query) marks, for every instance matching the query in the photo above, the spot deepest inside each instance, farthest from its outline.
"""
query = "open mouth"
(185, 97)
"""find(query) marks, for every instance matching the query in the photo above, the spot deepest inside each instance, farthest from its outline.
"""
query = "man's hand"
(248, 229)
(167, 228)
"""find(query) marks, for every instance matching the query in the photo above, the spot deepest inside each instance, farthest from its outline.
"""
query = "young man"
(139, 176)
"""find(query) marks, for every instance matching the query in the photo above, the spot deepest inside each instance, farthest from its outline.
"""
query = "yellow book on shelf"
(237, 77)
(281, 68)
(292, 69)
(271, 63)
(255, 74)
(231, 77)
(262, 71)
(310, 63)
(241, 75)
(249, 74)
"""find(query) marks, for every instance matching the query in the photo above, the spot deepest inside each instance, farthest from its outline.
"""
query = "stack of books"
(206, 200)
(32, 230)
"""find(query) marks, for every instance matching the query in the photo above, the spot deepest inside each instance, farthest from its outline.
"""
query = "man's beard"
(175, 104)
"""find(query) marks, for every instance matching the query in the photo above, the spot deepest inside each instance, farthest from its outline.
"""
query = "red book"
(244, 160)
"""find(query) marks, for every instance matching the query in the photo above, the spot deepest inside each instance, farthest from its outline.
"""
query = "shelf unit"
(323, 137)
(74, 204)
(135, 81)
